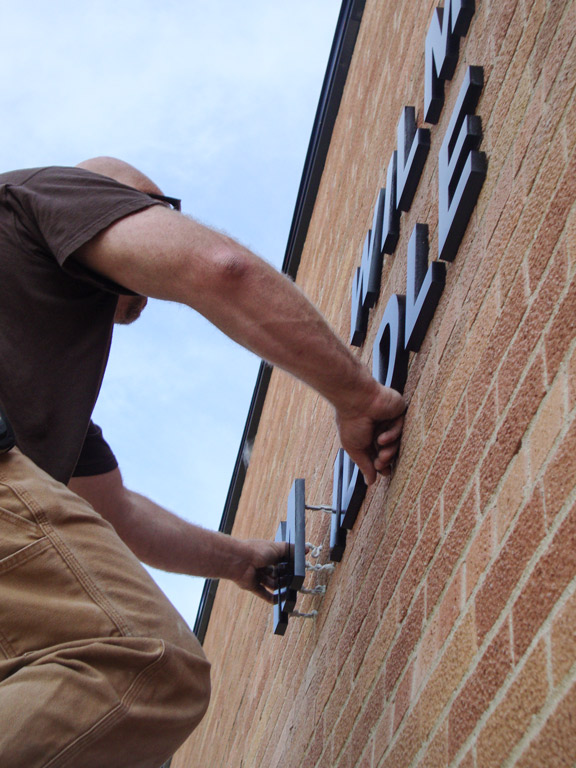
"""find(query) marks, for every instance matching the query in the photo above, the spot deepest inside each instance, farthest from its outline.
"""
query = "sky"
(215, 101)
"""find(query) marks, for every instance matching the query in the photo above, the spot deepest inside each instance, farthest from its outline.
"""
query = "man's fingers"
(264, 594)
(269, 582)
(397, 404)
(386, 455)
(389, 431)
(365, 464)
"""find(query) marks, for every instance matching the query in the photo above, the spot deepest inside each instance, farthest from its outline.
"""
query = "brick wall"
(446, 635)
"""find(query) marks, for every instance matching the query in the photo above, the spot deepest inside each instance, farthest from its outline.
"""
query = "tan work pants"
(97, 669)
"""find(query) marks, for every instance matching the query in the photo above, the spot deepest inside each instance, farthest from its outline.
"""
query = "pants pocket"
(18, 527)
(43, 602)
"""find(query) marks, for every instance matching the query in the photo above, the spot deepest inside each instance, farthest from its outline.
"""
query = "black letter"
(424, 286)
(447, 25)
(391, 217)
(353, 491)
(390, 359)
(362, 296)
(294, 532)
(461, 170)
(413, 146)
(371, 288)
(337, 532)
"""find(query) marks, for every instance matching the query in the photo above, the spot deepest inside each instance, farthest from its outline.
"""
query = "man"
(96, 668)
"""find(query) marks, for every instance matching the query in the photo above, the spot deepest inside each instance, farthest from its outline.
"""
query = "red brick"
(563, 640)
(383, 733)
(404, 747)
(444, 459)
(560, 475)
(452, 603)
(511, 718)
(381, 643)
(526, 130)
(482, 413)
(543, 165)
(365, 636)
(281, 706)
(471, 454)
(421, 557)
(554, 746)
(449, 316)
(507, 111)
(553, 223)
(403, 697)
(531, 328)
(479, 689)
(336, 702)
(499, 198)
(467, 761)
(572, 377)
(550, 25)
(510, 434)
(509, 565)
(366, 721)
(480, 552)
(451, 550)
(436, 754)
(568, 127)
(399, 558)
(447, 364)
(561, 333)
(311, 754)
(445, 671)
(401, 650)
(504, 35)
(484, 374)
(344, 725)
(548, 424)
(558, 75)
(354, 628)
(482, 306)
(553, 572)
(428, 651)
(513, 491)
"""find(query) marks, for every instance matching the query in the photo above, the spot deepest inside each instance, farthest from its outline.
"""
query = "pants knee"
(182, 690)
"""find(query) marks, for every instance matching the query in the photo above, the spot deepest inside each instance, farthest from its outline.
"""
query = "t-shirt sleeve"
(63, 208)
(96, 456)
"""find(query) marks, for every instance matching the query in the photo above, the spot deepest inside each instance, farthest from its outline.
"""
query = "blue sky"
(215, 101)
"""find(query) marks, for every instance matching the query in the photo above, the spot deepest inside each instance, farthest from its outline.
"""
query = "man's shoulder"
(20, 176)
(53, 171)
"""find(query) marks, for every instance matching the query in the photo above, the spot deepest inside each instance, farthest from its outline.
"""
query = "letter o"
(390, 359)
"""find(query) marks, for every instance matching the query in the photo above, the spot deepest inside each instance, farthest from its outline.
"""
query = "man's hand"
(256, 571)
(370, 433)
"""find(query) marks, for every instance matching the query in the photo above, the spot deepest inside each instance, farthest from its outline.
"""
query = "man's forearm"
(162, 254)
(163, 540)
(156, 536)
(266, 312)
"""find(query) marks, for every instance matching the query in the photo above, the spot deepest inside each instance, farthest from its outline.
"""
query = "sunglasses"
(172, 201)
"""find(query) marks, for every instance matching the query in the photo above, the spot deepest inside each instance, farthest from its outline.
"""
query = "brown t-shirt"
(56, 317)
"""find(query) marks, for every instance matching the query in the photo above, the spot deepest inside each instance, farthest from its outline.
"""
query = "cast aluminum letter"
(424, 286)
(461, 169)
(447, 26)
(293, 531)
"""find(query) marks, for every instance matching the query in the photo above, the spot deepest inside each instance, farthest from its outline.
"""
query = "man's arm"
(163, 540)
(162, 254)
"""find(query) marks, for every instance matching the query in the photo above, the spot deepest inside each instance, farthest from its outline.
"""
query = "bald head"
(122, 172)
